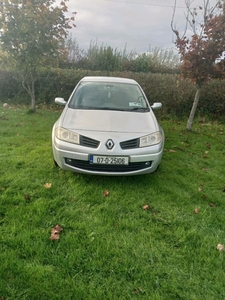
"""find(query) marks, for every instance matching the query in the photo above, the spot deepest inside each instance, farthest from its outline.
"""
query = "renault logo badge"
(110, 144)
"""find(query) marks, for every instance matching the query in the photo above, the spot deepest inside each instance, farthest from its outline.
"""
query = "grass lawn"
(110, 247)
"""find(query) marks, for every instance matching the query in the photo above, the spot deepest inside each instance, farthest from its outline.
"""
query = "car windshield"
(109, 96)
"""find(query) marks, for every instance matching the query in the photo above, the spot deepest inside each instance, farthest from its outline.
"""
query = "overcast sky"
(136, 24)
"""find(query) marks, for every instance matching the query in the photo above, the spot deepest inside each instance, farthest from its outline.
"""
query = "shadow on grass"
(134, 181)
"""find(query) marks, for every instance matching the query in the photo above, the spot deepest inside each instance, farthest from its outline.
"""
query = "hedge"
(176, 94)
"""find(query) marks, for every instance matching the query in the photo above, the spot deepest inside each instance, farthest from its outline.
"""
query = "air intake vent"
(131, 144)
(88, 142)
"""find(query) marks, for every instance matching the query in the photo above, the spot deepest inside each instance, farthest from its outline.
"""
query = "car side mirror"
(156, 105)
(60, 101)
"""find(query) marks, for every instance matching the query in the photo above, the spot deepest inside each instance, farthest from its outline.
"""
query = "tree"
(201, 52)
(103, 57)
(32, 33)
(74, 53)
(157, 60)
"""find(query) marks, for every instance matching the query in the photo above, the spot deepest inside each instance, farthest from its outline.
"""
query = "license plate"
(109, 160)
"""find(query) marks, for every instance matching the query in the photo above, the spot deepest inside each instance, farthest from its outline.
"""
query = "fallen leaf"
(172, 151)
(196, 210)
(55, 233)
(106, 193)
(136, 291)
(208, 145)
(26, 197)
(220, 247)
(58, 227)
(212, 204)
(146, 207)
(199, 189)
(48, 185)
(2, 189)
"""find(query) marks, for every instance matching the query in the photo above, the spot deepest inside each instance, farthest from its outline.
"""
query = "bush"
(212, 101)
(9, 86)
(176, 94)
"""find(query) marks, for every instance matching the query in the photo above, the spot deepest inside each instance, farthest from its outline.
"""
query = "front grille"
(85, 165)
(88, 142)
(131, 144)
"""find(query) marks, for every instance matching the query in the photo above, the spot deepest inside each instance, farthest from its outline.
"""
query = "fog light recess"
(68, 160)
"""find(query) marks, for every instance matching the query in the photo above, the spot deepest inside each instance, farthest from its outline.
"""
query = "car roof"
(107, 79)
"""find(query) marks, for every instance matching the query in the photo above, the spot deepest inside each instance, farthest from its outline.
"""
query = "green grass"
(110, 247)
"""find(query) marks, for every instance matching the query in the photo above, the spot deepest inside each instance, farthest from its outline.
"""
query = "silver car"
(107, 128)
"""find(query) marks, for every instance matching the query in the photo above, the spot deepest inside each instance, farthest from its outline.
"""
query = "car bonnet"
(109, 121)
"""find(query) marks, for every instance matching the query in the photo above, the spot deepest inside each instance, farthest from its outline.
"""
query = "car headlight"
(151, 139)
(67, 135)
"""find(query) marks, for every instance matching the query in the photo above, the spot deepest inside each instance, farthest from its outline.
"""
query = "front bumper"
(76, 158)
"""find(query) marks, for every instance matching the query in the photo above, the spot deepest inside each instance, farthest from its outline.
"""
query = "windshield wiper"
(111, 108)
(139, 109)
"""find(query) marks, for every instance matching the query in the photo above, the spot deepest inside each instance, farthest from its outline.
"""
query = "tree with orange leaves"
(201, 54)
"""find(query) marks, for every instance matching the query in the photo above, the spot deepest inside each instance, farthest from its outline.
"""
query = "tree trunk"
(33, 102)
(193, 110)
(29, 87)
(33, 106)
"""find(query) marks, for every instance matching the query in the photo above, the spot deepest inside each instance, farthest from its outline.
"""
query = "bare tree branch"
(172, 23)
